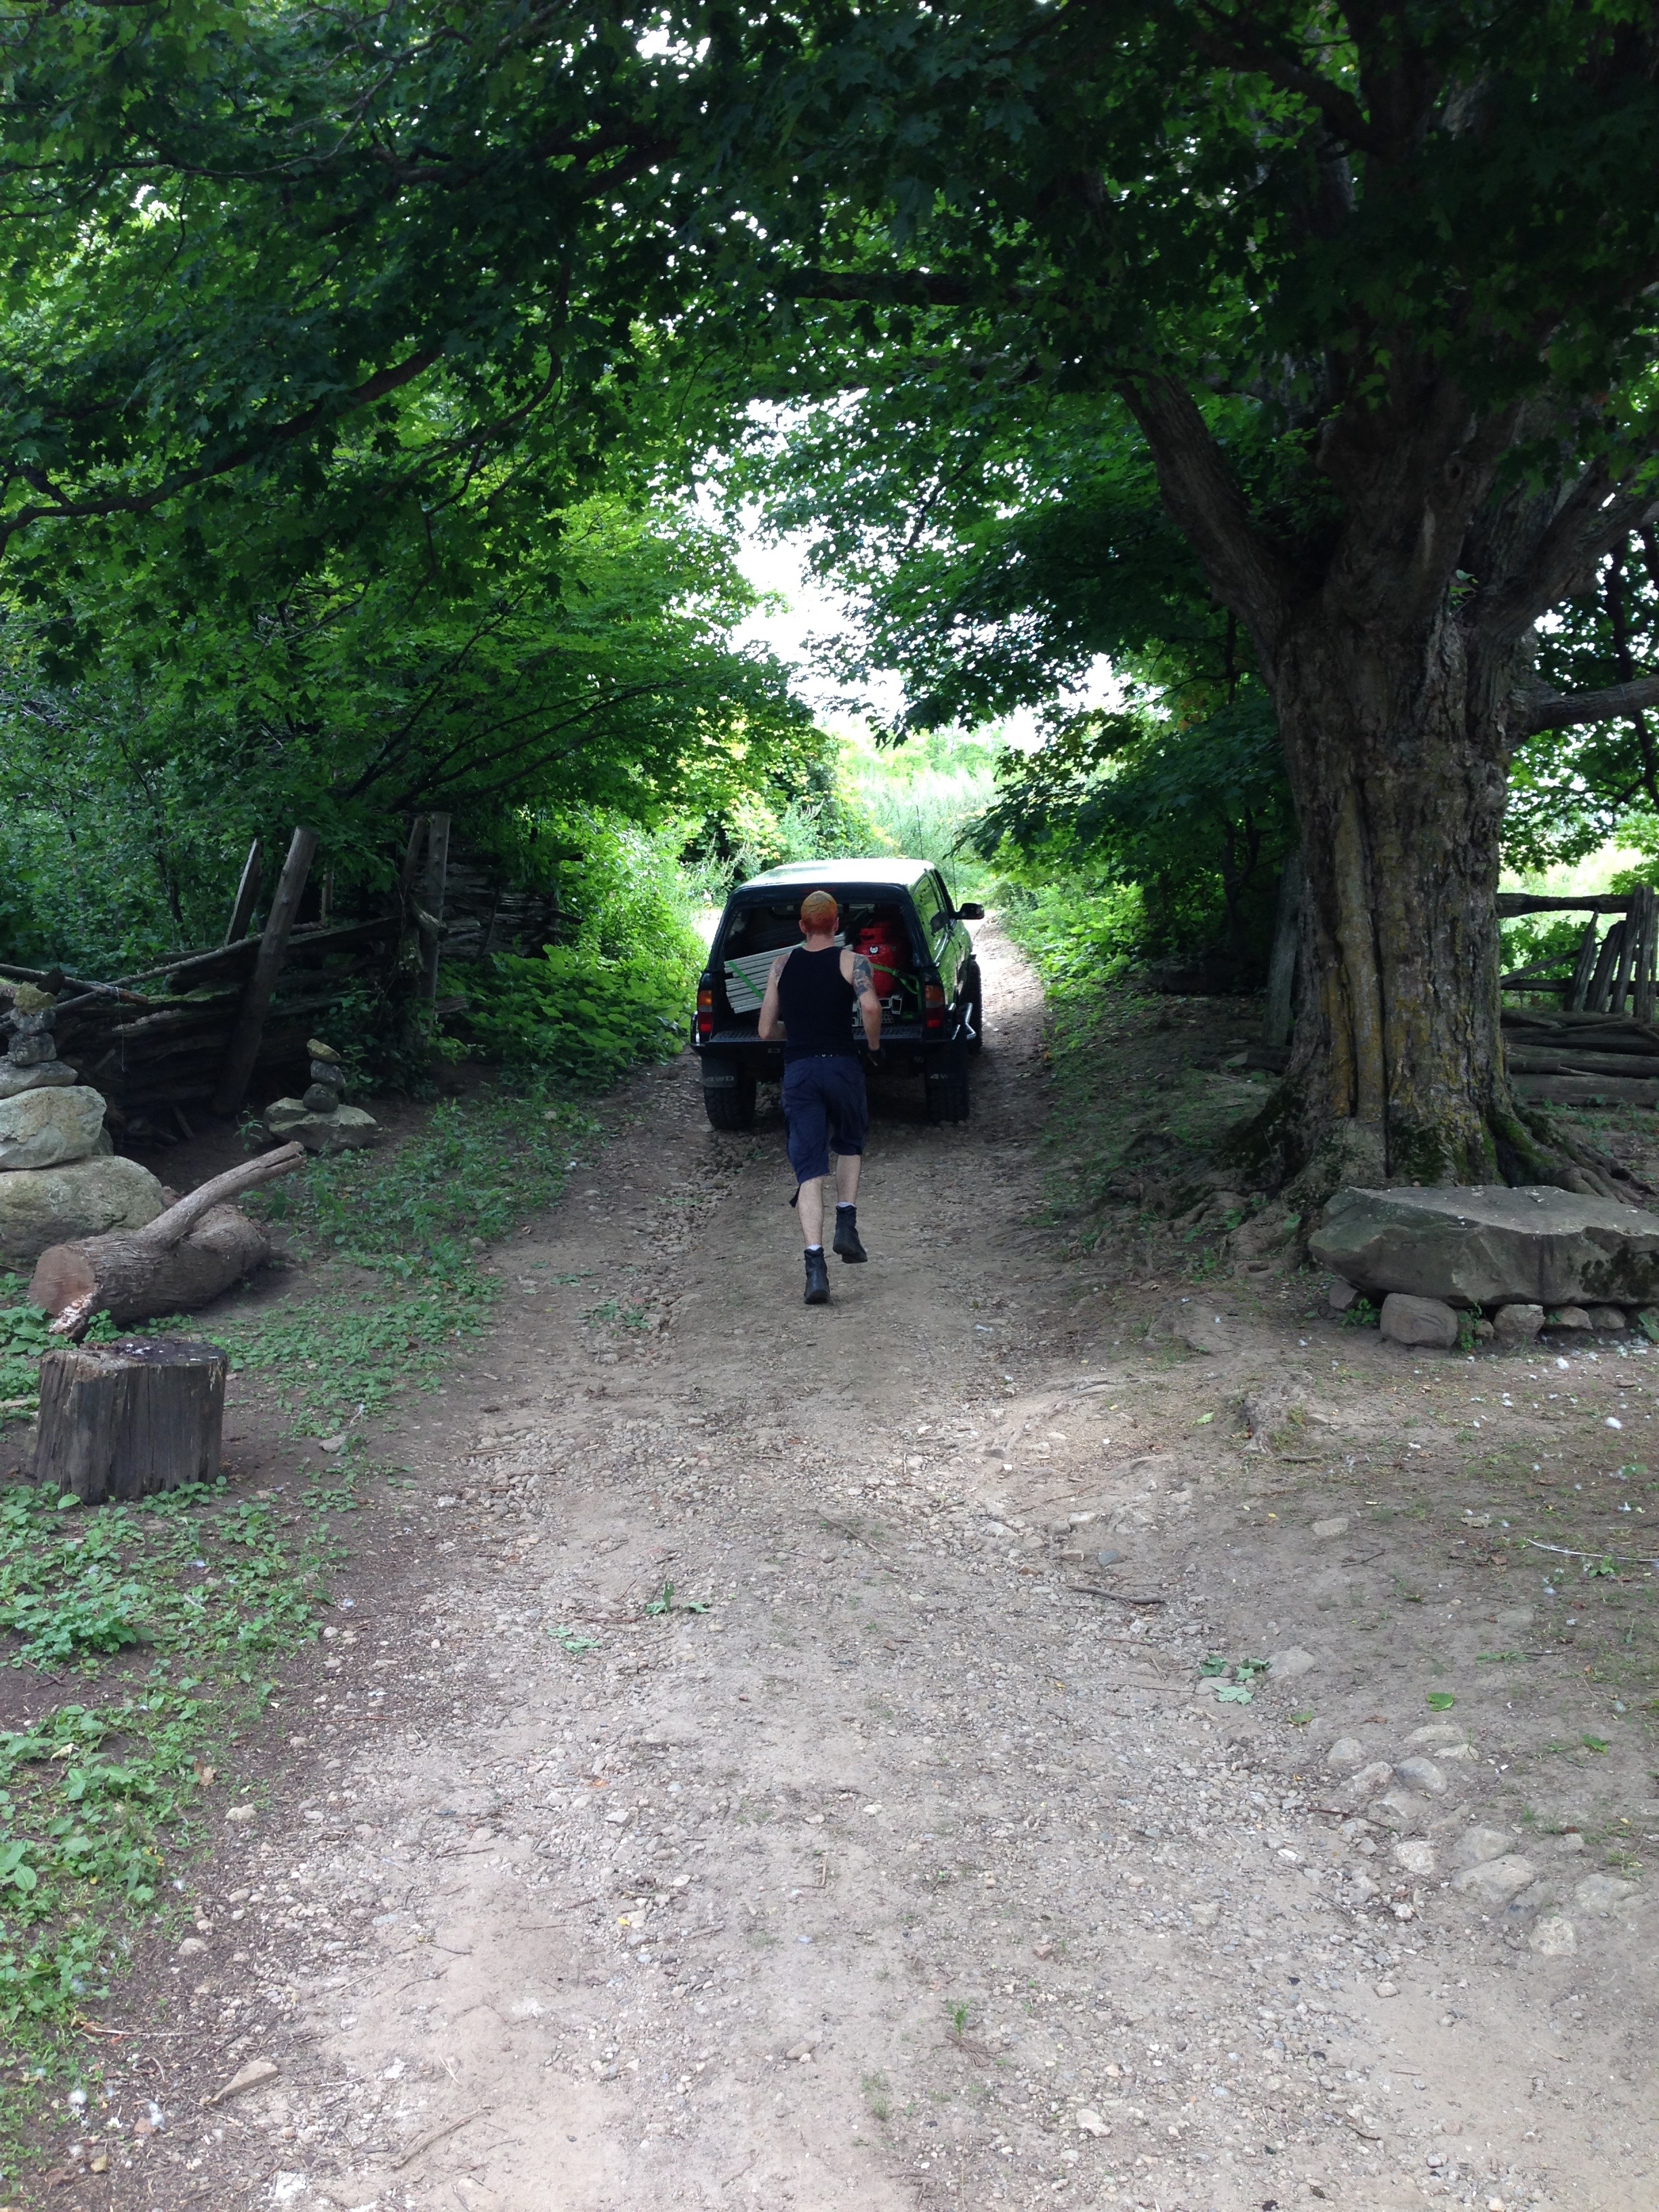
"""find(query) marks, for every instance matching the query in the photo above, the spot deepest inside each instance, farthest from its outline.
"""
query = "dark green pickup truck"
(898, 911)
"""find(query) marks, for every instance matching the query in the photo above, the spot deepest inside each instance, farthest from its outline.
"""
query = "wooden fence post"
(247, 890)
(1606, 961)
(257, 993)
(432, 900)
(1584, 969)
(1647, 913)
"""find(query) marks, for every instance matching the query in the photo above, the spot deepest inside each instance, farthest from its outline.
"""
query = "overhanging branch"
(1233, 45)
(1564, 710)
(62, 507)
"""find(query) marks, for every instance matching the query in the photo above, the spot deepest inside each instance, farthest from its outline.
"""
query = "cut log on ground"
(186, 1256)
(128, 1419)
(1587, 1090)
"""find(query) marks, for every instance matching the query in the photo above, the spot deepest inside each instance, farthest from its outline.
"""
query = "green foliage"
(1197, 818)
(580, 673)
(193, 1595)
(587, 1011)
(1079, 934)
(1362, 1313)
(100, 1795)
(1571, 791)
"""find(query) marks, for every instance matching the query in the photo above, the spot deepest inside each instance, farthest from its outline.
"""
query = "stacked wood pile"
(212, 1027)
(1582, 1059)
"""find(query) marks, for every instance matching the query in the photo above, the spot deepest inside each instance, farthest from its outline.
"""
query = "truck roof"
(803, 875)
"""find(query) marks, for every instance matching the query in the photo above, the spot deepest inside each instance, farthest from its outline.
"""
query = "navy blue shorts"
(824, 1104)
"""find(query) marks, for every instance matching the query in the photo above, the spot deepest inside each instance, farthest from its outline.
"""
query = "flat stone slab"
(51, 1206)
(1490, 1246)
(347, 1129)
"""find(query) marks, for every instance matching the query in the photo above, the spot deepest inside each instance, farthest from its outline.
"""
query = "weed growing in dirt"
(419, 1215)
(170, 1612)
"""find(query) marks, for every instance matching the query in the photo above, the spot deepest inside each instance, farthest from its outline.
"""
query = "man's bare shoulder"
(778, 964)
(856, 967)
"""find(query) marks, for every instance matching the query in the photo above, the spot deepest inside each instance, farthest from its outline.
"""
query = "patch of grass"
(171, 1611)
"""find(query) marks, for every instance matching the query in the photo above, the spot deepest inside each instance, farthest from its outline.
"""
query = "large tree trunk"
(1397, 747)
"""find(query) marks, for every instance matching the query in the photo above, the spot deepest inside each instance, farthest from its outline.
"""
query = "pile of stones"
(59, 1176)
(319, 1119)
(1497, 1264)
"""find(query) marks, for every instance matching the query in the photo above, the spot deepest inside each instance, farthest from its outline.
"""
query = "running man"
(810, 996)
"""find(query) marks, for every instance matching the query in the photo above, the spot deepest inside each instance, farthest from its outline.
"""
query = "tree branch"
(1206, 504)
(1562, 710)
(1232, 44)
(64, 508)
(1588, 523)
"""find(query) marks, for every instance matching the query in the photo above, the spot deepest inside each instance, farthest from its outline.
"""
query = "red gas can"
(883, 943)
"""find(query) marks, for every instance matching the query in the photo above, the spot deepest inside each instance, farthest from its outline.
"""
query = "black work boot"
(818, 1279)
(846, 1234)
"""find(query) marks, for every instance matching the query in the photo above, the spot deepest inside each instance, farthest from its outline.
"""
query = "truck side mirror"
(972, 911)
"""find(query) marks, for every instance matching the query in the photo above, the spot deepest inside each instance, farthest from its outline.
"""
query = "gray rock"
(1338, 1295)
(51, 1206)
(346, 1129)
(1494, 1881)
(1517, 1324)
(1516, 1617)
(1414, 1856)
(1369, 1780)
(1348, 1751)
(1403, 1810)
(1607, 1320)
(1422, 1774)
(1336, 1526)
(320, 1098)
(1552, 1937)
(1568, 1317)
(1599, 1893)
(1407, 1319)
(329, 1071)
(1285, 1666)
(45, 1075)
(191, 1947)
(1480, 1846)
(1488, 1246)
(32, 1051)
(1440, 1733)
(43, 1128)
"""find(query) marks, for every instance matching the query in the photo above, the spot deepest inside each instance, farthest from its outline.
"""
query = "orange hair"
(819, 912)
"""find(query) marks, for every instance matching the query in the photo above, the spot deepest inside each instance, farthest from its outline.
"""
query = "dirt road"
(778, 1766)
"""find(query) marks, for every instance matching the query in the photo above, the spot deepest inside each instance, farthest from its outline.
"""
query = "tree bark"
(126, 1420)
(1397, 741)
(131, 1279)
(198, 1248)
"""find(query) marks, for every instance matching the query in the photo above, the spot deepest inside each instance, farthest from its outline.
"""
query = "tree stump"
(127, 1419)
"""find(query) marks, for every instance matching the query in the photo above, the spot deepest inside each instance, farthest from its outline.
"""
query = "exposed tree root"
(1280, 1150)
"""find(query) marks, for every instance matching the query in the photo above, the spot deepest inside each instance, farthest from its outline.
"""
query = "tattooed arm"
(856, 967)
(771, 1026)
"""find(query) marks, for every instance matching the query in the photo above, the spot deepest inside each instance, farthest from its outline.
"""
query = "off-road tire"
(729, 1103)
(946, 1081)
(974, 1012)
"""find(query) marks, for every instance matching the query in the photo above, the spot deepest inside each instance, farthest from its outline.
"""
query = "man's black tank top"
(816, 1001)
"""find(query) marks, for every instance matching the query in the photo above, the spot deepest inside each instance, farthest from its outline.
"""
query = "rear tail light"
(705, 1011)
(932, 1006)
